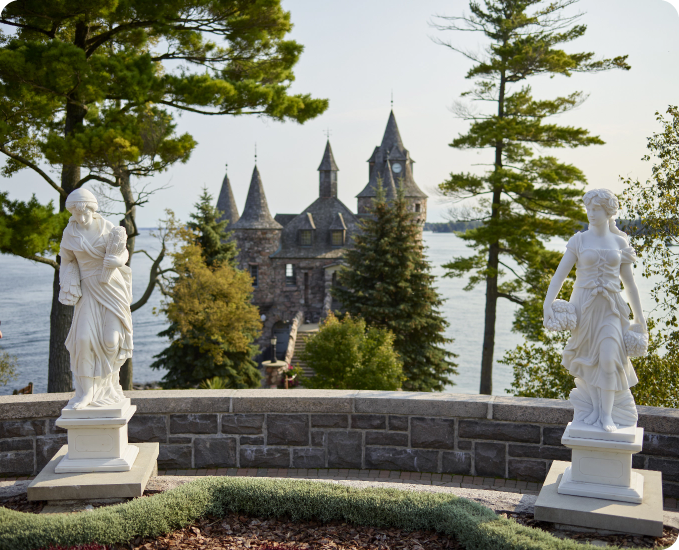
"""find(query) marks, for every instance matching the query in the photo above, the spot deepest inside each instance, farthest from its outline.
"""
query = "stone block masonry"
(467, 435)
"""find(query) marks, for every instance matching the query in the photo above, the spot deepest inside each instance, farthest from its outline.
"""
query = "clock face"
(396, 167)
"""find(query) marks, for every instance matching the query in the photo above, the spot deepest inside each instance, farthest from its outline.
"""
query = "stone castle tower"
(293, 258)
(391, 163)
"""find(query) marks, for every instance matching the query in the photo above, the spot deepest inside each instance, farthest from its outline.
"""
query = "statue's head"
(605, 198)
(82, 205)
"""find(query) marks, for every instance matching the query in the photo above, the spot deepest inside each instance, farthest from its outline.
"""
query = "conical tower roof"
(388, 182)
(328, 162)
(392, 137)
(256, 213)
(392, 150)
(226, 204)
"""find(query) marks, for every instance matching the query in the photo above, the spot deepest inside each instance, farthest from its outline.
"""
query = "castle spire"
(226, 204)
(256, 213)
(327, 177)
(392, 137)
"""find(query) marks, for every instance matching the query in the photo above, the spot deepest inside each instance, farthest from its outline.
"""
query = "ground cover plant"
(474, 526)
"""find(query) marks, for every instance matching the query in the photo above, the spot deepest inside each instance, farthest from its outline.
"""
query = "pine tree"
(213, 323)
(215, 242)
(388, 283)
(523, 200)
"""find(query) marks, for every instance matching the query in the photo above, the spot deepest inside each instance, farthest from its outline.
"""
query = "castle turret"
(226, 204)
(258, 236)
(327, 177)
(392, 157)
(256, 213)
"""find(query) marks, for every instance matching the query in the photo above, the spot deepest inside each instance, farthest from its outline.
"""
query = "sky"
(358, 52)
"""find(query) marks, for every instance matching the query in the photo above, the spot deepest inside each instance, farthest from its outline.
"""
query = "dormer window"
(305, 237)
(337, 238)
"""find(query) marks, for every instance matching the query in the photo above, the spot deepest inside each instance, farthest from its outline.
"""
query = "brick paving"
(419, 478)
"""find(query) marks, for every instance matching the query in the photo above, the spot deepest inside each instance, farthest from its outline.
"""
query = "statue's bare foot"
(84, 400)
(608, 424)
(592, 417)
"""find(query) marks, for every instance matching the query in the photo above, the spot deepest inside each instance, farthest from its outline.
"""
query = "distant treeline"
(451, 227)
(628, 226)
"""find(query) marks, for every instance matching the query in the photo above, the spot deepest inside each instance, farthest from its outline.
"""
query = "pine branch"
(29, 164)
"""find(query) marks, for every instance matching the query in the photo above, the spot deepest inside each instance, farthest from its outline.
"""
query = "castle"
(293, 258)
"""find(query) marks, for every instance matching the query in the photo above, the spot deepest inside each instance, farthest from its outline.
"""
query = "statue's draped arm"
(560, 275)
(69, 278)
(632, 291)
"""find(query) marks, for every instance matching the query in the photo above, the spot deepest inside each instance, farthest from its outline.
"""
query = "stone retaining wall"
(477, 435)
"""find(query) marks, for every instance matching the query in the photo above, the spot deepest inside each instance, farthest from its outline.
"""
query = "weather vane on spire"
(392, 99)
(327, 132)
(255, 152)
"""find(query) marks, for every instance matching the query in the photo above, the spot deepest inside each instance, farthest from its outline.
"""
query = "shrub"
(8, 368)
(475, 526)
(348, 355)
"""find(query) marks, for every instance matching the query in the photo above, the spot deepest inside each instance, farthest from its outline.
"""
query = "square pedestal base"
(49, 485)
(645, 518)
(118, 464)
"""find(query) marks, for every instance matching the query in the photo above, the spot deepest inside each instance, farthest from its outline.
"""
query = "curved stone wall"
(509, 437)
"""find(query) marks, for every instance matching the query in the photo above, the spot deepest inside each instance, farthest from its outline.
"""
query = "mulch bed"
(236, 532)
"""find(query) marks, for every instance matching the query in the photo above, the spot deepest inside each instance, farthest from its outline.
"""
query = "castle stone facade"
(293, 258)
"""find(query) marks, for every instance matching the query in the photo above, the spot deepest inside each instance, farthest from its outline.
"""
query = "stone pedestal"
(274, 372)
(645, 518)
(601, 466)
(97, 439)
(52, 486)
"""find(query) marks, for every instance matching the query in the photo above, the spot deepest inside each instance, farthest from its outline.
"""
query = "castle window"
(254, 273)
(305, 237)
(337, 238)
(417, 207)
(290, 279)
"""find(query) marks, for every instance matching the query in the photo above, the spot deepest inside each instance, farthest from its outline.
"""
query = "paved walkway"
(391, 477)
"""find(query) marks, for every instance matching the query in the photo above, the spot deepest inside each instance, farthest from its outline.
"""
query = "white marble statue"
(602, 336)
(94, 278)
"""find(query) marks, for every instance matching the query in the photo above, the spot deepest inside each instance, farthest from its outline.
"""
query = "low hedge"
(476, 527)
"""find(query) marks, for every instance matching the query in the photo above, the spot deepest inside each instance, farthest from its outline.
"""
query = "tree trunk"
(486, 386)
(59, 377)
(129, 222)
(489, 329)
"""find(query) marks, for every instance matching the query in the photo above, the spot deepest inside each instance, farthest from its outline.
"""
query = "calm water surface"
(26, 294)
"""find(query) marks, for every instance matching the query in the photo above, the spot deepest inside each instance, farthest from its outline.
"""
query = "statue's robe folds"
(101, 303)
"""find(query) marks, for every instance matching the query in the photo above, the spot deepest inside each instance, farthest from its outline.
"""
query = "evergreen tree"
(213, 323)
(388, 283)
(215, 242)
(523, 200)
(92, 85)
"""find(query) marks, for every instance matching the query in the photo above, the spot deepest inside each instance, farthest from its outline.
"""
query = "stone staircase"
(303, 334)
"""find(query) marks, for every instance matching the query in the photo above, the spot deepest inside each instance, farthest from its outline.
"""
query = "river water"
(26, 294)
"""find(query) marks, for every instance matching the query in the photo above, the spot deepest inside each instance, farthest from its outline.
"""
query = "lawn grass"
(475, 526)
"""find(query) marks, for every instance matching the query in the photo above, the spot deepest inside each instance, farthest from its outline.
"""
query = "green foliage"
(8, 367)
(215, 383)
(538, 371)
(347, 355)
(113, 67)
(473, 525)
(213, 323)
(389, 284)
(215, 242)
(29, 229)
(523, 199)
(654, 205)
